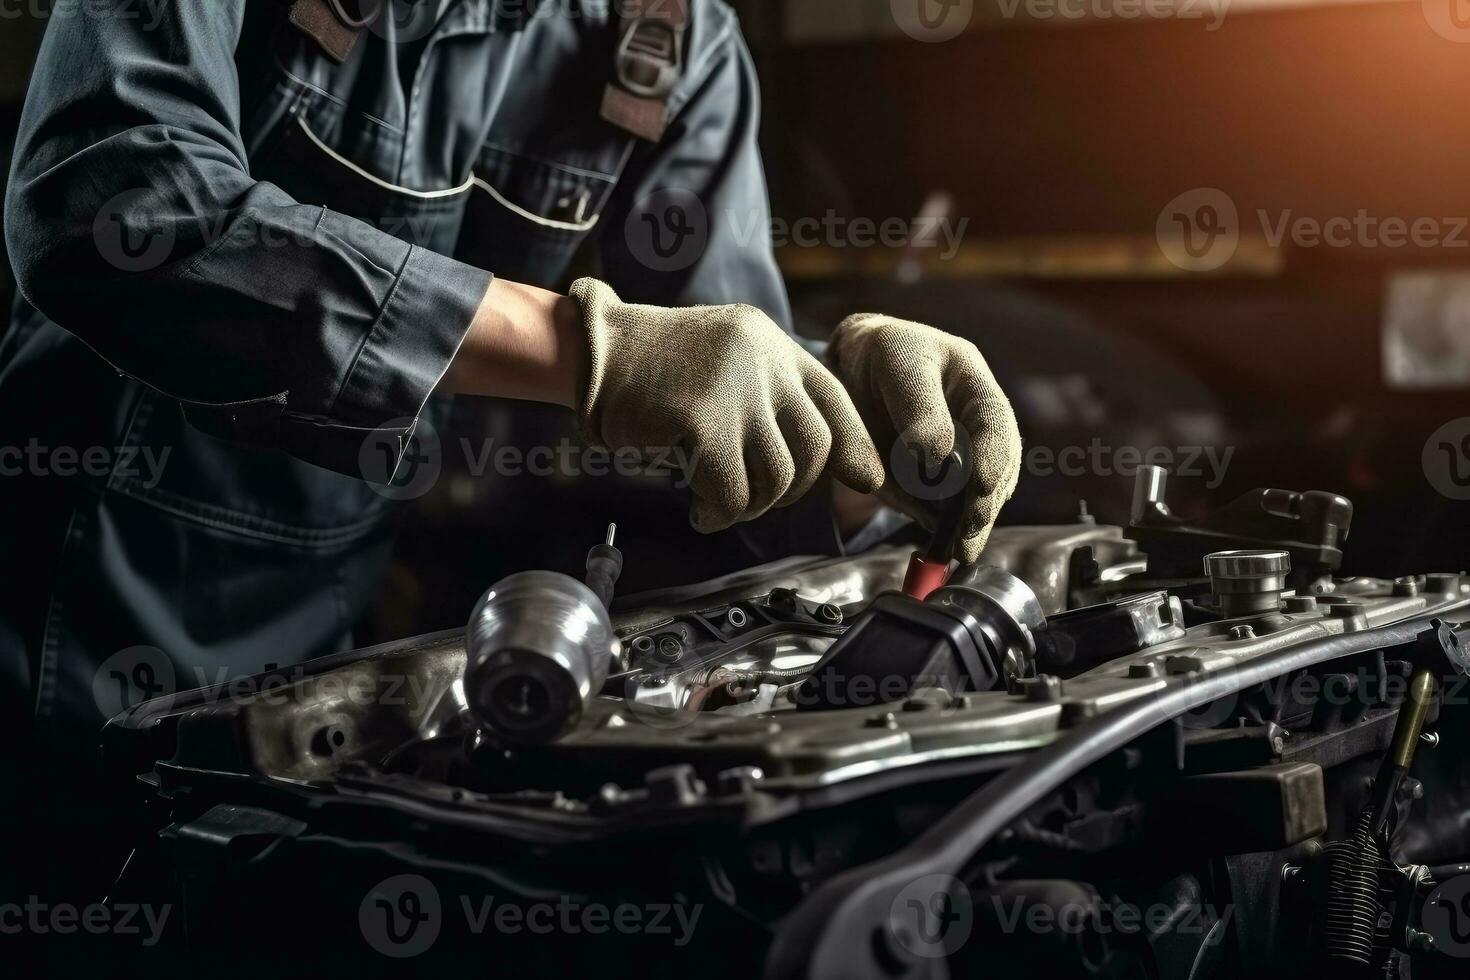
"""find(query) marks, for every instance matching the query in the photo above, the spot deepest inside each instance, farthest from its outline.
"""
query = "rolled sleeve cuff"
(427, 315)
(425, 319)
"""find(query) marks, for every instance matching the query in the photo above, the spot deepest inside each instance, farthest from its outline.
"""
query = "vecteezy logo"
(401, 916)
(668, 230)
(403, 21)
(1212, 714)
(932, 916)
(1446, 916)
(1199, 230)
(130, 677)
(1446, 459)
(1450, 19)
(932, 20)
(401, 467)
(122, 241)
(928, 479)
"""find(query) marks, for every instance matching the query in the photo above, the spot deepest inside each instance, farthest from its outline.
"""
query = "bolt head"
(1183, 664)
(1441, 582)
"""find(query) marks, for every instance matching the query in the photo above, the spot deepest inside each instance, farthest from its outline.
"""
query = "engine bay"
(1176, 749)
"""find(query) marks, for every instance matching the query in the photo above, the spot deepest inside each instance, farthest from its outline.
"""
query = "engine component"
(1081, 639)
(1357, 871)
(1352, 909)
(863, 901)
(1006, 609)
(1423, 688)
(1286, 802)
(973, 634)
(1247, 583)
(604, 566)
(688, 660)
(539, 646)
(1165, 786)
(1069, 566)
(1311, 527)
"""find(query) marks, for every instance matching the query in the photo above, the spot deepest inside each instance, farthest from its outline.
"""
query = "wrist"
(525, 343)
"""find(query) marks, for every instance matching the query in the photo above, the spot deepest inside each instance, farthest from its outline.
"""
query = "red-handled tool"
(924, 575)
(929, 568)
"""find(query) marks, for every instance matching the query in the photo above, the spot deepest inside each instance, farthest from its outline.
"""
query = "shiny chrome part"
(448, 716)
(539, 646)
(1013, 613)
(1148, 493)
(1044, 558)
(840, 581)
(1041, 556)
(1247, 583)
(781, 661)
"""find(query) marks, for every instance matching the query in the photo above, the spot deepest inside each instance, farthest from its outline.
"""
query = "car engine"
(1180, 749)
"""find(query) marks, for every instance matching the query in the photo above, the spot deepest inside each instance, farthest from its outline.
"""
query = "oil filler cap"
(1247, 583)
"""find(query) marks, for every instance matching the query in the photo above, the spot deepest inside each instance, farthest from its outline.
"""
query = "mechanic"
(253, 237)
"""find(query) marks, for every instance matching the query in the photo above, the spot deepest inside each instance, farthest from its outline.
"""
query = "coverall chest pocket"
(527, 217)
(516, 215)
(327, 155)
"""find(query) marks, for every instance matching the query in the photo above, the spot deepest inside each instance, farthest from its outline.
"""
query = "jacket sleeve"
(691, 222)
(132, 221)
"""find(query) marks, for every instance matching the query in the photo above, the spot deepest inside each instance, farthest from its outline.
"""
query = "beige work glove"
(758, 418)
(911, 383)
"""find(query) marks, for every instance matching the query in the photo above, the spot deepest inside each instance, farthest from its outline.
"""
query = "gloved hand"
(760, 418)
(911, 383)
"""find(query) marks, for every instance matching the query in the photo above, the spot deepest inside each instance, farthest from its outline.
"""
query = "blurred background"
(1063, 143)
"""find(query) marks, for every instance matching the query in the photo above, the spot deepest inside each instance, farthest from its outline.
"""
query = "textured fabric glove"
(759, 418)
(911, 383)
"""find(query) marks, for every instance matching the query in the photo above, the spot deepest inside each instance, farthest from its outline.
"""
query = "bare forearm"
(525, 343)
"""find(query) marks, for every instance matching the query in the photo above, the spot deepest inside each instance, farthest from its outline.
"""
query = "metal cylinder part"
(539, 646)
(1006, 609)
(1247, 583)
(1148, 492)
(1423, 686)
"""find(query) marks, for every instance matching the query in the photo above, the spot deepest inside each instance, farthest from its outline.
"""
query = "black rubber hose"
(818, 938)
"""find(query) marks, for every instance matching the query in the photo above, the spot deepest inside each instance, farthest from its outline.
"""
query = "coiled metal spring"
(1353, 904)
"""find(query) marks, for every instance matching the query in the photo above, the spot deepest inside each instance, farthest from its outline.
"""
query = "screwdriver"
(604, 565)
(928, 569)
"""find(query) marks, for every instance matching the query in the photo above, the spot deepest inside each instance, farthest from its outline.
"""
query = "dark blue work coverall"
(237, 259)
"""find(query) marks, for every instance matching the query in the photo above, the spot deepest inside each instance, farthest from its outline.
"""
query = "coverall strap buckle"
(335, 25)
(648, 65)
